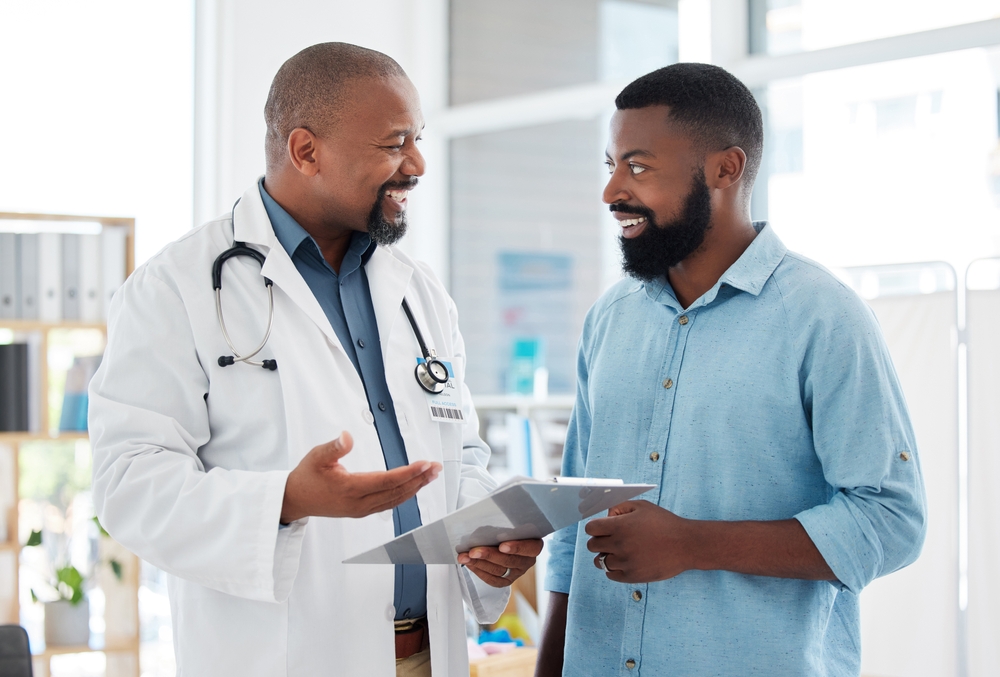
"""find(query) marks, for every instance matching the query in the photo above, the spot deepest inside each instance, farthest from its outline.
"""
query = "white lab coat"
(190, 459)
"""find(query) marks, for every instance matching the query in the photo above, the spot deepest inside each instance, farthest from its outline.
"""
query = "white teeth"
(632, 222)
(397, 195)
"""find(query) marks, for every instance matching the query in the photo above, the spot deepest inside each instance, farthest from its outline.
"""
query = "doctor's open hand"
(504, 564)
(320, 486)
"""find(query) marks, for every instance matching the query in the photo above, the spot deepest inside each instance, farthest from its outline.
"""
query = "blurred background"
(882, 162)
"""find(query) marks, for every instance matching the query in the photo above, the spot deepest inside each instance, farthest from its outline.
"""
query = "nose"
(614, 191)
(414, 164)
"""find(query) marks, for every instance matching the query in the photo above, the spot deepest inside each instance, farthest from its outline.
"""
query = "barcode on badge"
(454, 414)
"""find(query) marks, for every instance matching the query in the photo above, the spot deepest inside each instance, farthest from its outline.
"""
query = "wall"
(239, 46)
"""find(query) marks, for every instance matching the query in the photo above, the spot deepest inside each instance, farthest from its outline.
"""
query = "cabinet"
(96, 254)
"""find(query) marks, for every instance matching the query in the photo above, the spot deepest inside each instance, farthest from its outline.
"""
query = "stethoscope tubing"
(237, 357)
(424, 373)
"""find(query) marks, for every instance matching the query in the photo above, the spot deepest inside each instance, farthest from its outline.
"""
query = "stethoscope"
(431, 374)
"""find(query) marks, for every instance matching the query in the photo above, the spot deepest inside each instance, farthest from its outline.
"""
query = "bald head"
(311, 90)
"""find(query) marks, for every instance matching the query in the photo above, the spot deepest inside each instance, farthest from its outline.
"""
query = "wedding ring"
(600, 561)
(506, 573)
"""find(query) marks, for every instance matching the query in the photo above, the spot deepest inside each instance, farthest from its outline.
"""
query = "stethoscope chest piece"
(432, 374)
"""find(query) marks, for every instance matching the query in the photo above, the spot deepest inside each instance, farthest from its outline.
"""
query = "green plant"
(69, 582)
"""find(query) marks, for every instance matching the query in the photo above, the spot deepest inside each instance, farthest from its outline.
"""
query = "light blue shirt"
(347, 303)
(771, 397)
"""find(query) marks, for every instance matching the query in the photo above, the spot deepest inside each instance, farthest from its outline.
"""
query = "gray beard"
(383, 232)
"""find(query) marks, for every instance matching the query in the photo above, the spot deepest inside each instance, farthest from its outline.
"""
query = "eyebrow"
(630, 154)
(407, 131)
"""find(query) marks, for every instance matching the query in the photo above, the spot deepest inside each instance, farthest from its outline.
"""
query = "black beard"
(660, 247)
(381, 231)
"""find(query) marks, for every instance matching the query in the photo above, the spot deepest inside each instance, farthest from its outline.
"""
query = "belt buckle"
(407, 625)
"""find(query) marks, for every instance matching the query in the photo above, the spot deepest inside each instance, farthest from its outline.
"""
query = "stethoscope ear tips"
(270, 365)
(226, 360)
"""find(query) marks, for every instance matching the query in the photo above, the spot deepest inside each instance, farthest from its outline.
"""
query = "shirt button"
(668, 383)
(361, 343)
(654, 457)
(630, 663)
(683, 319)
(381, 406)
(368, 416)
(905, 455)
(636, 595)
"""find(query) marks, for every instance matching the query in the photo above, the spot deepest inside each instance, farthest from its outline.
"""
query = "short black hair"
(708, 102)
(309, 90)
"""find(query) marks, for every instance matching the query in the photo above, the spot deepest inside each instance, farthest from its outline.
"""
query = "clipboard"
(521, 508)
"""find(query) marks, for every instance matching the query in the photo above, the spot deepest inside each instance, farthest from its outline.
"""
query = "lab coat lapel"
(388, 278)
(252, 225)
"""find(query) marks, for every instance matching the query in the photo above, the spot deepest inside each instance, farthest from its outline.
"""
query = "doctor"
(250, 486)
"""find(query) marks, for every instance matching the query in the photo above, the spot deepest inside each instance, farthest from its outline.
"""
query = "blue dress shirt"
(771, 397)
(347, 302)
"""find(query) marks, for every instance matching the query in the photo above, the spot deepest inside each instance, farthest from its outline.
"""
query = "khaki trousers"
(417, 665)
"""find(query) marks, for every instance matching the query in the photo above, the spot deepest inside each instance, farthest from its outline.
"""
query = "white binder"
(91, 290)
(27, 250)
(70, 276)
(50, 277)
(8, 276)
(519, 509)
(113, 241)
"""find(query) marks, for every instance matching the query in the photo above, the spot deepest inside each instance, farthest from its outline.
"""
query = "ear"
(724, 169)
(301, 149)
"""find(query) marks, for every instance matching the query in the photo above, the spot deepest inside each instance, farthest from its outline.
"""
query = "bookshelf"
(121, 613)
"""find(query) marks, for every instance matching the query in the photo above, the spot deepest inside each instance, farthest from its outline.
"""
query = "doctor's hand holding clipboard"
(320, 486)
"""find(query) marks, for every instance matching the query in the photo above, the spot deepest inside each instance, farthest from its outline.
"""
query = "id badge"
(446, 406)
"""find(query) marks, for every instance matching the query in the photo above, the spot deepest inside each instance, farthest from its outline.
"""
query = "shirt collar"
(754, 268)
(291, 235)
(749, 273)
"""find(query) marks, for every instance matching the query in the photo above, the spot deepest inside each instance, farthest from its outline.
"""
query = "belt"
(411, 636)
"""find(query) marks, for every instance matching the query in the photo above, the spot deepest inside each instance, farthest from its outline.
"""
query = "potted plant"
(67, 610)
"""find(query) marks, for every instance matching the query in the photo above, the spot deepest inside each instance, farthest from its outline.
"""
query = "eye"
(610, 165)
(636, 169)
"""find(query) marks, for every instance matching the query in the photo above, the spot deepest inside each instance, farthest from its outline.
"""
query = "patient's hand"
(510, 557)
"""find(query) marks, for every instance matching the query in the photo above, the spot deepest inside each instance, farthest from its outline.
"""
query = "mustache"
(639, 210)
(398, 185)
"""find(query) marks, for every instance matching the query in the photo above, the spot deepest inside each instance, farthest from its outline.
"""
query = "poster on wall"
(535, 292)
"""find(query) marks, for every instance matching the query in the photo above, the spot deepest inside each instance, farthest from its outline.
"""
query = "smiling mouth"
(398, 196)
(632, 227)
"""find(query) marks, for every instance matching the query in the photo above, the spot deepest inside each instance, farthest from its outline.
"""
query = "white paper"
(522, 508)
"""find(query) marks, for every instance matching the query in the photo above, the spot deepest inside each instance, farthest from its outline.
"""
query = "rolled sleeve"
(875, 520)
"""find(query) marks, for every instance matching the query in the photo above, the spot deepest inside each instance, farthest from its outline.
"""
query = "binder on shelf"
(75, 400)
(70, 276)
(91, 292)
(50, 277)
(8, 276)
(34, 341)
(8, 491)
(14, 387)
(27, 249)
(113, 250)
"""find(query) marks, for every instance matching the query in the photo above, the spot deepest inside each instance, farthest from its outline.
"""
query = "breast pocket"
(247, 417)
